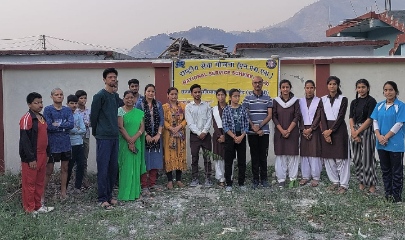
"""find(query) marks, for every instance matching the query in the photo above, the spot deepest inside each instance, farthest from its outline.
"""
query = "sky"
(124, 23)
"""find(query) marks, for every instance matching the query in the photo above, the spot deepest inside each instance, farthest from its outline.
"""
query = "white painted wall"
(18, 83)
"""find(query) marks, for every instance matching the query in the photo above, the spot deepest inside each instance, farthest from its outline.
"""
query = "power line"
(376, 5)
(6, 43)
(11, 39)
(353, 8)
(51, 44)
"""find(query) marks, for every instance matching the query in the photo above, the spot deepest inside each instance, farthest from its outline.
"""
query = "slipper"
(304, 182)
(314, 183)
(106, 206)
(114, 202)
(341, 190)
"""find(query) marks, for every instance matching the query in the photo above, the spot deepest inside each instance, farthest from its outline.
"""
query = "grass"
(199, 213)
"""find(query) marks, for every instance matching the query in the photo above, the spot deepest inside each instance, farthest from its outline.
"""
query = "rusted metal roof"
(374, 43)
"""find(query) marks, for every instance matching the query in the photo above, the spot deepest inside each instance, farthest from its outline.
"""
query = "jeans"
(392, 173)
(107, 167)
(230, 148)
(259, 148)
(195, 145)
(78, 159)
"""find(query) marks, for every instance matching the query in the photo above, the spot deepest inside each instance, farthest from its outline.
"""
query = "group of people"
(137, 135)
(61, 134)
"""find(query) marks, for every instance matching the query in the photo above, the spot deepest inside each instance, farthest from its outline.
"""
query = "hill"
(309, 24)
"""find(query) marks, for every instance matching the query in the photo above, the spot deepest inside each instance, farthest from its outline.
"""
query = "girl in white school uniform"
(335, 141)
(286, 114)
(310, 144)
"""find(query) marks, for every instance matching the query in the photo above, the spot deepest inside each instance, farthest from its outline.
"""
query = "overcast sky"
(124, 23)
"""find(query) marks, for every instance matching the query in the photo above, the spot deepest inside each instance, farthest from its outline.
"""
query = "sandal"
(114, 202)
(333, 187)
(304, 182)
(221, 184)
(341, 190)
(106, 206)
(314, 183)
(169, 185)
(180, 184)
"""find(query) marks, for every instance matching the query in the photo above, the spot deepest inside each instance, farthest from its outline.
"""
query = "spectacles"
(257, 83)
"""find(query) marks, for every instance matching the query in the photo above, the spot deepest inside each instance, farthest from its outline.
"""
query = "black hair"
(285, 81)
(109, 70)
(220, 90)
(309, 81)
(80, 93)
(171, 89)
(232, 91)
(393, 85)
(356, 101)
(365, 82)
(194, 86)
(133, 81)
(72, 98)
(149, 85)
(31, 97)
(289, 83)
(337, 80)
(128, 92)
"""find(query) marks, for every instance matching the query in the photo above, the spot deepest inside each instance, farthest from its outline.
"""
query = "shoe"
(77, 191)
(265, 183)
(44, 209)
(34, 214)
(228, 189)
(255, 184)
(180, 184)
(169, 185)
(208, 183)
(341, 190)
(243, 188)
(281, 185)
(221, 184)
(195, 183)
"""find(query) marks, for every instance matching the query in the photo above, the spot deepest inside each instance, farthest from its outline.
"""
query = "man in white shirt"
(199, 120)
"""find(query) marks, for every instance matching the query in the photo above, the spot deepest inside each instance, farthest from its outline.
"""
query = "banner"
(227, 74)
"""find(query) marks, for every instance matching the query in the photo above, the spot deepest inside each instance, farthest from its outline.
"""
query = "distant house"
(389, 25)
(309, 49)
(60, 55)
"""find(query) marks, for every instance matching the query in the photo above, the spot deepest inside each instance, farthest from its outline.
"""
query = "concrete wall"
(18, 83)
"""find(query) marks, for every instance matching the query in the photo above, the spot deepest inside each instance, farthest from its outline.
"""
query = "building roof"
(360, 26)
(373, 43)
(107, 54)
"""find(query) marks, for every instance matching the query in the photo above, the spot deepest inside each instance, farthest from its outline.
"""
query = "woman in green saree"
(131, 155)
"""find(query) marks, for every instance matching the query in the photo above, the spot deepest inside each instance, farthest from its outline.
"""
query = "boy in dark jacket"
(34, 153)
